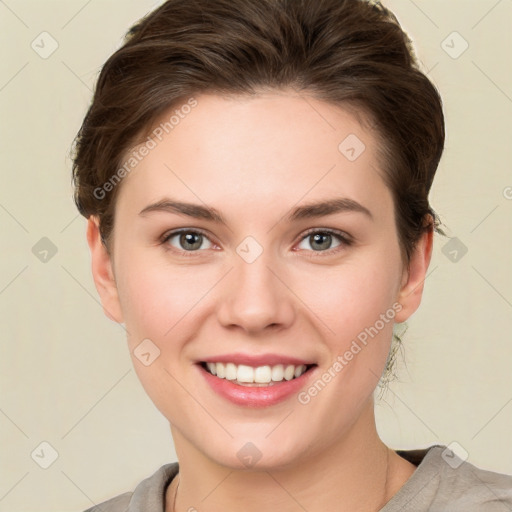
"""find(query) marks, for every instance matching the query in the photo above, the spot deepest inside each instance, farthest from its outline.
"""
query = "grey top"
(441, 483)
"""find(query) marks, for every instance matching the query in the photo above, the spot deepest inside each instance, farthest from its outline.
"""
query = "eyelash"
(344, 239)
(166, 237)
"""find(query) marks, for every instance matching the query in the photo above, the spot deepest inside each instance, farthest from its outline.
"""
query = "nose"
(256, 298)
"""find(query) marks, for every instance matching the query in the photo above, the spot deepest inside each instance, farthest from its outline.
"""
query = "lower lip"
(257, 396)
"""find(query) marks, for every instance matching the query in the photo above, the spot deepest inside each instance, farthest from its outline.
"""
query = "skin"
(254, 159)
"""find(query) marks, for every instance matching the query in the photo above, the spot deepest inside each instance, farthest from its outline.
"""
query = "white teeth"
(262, 374)
(289, 372)
(230, 371)
(221, 371)
(298, 371)
(277, 373)
(244, 374)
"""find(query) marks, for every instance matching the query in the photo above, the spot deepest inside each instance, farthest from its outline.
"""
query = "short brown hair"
(346, 52)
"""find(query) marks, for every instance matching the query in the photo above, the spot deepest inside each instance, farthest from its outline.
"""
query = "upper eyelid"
(332, 231)
(164, 240)
(345, 237)
(169, 234)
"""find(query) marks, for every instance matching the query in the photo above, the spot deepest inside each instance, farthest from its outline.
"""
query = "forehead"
(267, 149)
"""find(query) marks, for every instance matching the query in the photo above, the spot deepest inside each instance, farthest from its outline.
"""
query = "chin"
(258, 454)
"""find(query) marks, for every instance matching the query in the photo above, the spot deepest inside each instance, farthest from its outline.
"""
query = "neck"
(356, 473)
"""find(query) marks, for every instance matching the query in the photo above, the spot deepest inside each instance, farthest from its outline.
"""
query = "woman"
(255, 177)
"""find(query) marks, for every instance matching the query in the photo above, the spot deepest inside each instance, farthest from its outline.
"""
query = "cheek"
(161, 303)
(157, 299)
(352, 296)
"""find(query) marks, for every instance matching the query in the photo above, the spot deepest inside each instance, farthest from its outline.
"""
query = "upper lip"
(257, 360)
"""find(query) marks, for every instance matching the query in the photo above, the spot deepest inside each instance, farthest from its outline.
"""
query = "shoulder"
(444, 482)
(470, 487)
(119, 503)
(149, 494)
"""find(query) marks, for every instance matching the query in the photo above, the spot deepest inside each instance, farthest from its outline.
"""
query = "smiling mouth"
(260, 376)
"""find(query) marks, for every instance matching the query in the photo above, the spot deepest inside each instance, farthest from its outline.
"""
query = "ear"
(413, 277)
(102, 272)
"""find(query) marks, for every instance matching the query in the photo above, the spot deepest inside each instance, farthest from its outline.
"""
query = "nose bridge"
(254, 297)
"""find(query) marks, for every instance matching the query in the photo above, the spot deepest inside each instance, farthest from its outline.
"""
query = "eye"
(187, 240)
(322, 240)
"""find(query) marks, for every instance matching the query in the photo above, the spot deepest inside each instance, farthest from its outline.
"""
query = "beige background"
(66, 375)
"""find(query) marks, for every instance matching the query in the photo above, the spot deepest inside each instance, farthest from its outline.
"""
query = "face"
(247, 269)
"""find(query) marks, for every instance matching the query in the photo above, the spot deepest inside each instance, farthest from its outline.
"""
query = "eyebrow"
(307, 211)
(329, 207)
(191, 210)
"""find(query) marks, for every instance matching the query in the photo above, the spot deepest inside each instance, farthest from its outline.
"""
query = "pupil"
(192, 239)
(319, 237)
